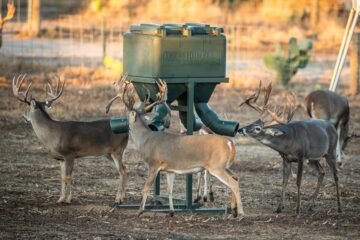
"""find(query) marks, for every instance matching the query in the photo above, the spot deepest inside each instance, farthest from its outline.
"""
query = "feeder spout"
(162, 120)
(119, 125)
(212, 121)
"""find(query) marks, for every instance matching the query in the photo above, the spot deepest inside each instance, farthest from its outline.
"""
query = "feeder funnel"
(190, 58)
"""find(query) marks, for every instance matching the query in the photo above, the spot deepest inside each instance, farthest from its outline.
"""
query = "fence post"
(354, 66)
(103, 37)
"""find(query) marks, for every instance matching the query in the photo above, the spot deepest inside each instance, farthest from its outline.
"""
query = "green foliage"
(286, 66)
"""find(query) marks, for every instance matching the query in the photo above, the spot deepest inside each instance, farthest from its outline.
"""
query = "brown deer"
(8, 17)
(176, 153)
(68, 140)
(324, 104)
(295, 141)
(208, 192)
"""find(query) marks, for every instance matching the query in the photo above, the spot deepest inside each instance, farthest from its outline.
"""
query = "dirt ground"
(30, 184)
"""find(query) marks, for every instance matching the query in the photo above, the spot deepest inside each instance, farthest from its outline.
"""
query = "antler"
(16, 85)
(287, 113)
(9, 15)
(251, 101)
(118, 85)
(129, 100)
(54, 94)
(161, 96)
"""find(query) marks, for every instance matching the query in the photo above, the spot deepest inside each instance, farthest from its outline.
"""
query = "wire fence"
(71, 40)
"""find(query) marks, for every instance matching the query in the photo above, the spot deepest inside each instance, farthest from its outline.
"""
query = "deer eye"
(257, 129)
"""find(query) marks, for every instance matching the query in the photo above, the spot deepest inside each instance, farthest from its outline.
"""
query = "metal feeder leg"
(190, 120)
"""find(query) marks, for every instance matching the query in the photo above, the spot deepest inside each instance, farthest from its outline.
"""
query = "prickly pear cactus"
(286, 66)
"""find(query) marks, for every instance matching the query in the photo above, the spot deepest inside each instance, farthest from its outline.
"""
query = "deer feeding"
(179, 154)
(295, 141)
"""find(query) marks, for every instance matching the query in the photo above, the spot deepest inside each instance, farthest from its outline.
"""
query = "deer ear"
(273, 132)
(33, 103)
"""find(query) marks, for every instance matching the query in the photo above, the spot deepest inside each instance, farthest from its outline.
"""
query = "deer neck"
(280, 143)
(42, 124)
(140, 132)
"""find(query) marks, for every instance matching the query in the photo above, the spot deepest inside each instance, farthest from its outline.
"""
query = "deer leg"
(332, 164)
(338, 147)
(316, 165)
(205, 185)
(63, 179)
(198, 196)
(211, 194)
(120, 195)
(69, 166)
(148, 183)
(232, 182)
(286, 174)
(170, 183)
(298, 183)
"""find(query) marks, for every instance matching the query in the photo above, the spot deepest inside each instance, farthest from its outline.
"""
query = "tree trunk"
(315, 12)
(33, 19)
(354, 66)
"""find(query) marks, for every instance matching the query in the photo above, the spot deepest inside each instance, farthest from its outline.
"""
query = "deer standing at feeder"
(9, 15)
(68, 140)
(176, 153)
(208, 192)
(295, 141)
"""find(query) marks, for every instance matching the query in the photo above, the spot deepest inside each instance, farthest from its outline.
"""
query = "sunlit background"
(85, 37)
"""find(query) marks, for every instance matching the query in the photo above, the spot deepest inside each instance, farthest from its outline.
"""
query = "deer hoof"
(118, 201)
(234, 212)
(197, 199)
(339, 210)
(205, 198)
(241, 216)
(279, 209)
(61, 199)
(211, 195)
(68, 199)
(140, 212)
(119, 198)
(171, 213)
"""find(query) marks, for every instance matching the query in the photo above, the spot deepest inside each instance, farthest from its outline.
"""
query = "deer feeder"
(191, 58)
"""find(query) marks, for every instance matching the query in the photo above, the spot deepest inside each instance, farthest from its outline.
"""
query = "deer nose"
(242, 131)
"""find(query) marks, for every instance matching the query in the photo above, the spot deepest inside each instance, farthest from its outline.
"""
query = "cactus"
(287, 66)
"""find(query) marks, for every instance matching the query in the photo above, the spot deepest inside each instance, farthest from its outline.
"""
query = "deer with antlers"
(9, 15)
(68, 140)
(176, 153)
(295, 141)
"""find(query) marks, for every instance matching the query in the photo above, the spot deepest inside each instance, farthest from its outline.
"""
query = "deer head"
(36, 106)
(128, 97)
(262, 128)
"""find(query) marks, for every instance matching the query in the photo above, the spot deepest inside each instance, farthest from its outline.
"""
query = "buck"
(324, 104)
(295, 141)
(8, 17)
(68, 140)
(203, 174)
(176, 153)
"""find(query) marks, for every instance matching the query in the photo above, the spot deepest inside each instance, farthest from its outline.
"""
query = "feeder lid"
(184, 29)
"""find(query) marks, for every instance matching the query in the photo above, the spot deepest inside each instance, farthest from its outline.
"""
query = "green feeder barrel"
(119, 125)
(179, 54)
